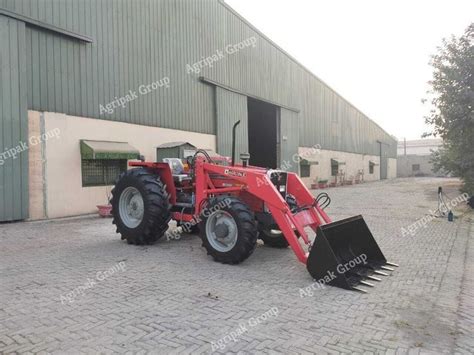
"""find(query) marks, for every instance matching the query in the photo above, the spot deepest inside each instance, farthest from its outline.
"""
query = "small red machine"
(233, 205)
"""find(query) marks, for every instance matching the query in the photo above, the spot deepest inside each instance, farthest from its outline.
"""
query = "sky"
(376, 54)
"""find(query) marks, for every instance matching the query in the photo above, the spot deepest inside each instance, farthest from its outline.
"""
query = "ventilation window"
(371, 168)
(305, 170)
(102, 172)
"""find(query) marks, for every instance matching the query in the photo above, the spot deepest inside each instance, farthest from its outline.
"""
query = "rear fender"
(164, 172)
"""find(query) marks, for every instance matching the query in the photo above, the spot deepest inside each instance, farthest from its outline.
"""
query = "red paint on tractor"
(263, 191)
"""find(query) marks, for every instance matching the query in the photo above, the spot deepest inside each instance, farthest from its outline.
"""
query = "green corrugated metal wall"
(137, 42)
(231, 107)
(13, 121)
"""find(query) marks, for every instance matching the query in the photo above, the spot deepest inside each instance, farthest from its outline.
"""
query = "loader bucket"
(345, 254)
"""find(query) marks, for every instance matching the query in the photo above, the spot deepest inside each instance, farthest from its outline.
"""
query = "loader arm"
(346, 245)
(257, 183)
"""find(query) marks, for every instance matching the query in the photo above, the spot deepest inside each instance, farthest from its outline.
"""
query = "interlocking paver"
(164, 301)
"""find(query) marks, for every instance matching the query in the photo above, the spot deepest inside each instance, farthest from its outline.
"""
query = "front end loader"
(233, 205)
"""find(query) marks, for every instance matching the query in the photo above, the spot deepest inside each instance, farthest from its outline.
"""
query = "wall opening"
(263, 133)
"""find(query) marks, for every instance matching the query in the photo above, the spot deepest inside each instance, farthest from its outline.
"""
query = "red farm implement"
(233, 205)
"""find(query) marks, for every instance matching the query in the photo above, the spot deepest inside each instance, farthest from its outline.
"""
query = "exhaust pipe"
(234, 129)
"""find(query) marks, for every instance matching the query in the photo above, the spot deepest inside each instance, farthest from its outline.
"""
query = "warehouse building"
(87, 85)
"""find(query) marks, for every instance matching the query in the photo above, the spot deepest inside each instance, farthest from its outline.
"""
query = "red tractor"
(233, 205)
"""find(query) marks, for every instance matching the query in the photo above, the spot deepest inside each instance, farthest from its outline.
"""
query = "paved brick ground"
(171, 298)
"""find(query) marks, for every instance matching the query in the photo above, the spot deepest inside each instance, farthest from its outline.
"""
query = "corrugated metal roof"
(140, 42)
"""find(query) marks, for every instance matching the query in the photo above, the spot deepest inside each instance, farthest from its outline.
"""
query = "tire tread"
(157, 215)
(248, 233)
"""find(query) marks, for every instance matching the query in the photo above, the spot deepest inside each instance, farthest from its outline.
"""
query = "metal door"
(289, 140)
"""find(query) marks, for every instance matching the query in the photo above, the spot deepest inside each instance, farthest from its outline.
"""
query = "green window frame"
(305, 170)
(101, 172)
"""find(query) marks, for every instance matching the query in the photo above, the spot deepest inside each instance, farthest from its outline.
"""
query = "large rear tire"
(140, 207)
(228, 230)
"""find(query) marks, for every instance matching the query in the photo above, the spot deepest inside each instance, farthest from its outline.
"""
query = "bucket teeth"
(391, 264)
(387, 268)
(374, 278)
(359, 289)
(381, 273)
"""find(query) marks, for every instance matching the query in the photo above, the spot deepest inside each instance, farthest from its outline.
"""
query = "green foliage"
(453, 99)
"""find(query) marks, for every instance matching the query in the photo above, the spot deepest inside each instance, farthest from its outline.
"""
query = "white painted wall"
(63, 179)
(55, 166)
(392, 168)
(35, 169)
(354, 163)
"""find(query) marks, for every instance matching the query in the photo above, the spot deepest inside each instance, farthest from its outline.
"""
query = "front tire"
(228, 230)
(140, 207)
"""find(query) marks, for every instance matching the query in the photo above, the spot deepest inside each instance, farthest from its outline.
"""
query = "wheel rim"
(221, 231)
(273, 232)
(131, 207)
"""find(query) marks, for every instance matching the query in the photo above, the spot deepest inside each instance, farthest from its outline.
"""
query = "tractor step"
(346, 253)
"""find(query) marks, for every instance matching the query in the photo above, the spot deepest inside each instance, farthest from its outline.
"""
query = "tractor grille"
(279, 179)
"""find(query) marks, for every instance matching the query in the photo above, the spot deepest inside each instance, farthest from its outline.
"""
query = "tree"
(452, 117)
